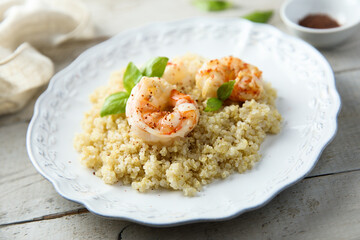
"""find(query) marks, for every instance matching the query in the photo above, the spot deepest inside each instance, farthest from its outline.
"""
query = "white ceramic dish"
(346, 12)
(308, 102)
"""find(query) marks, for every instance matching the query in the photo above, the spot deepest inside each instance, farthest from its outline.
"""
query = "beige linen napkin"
(29, 24)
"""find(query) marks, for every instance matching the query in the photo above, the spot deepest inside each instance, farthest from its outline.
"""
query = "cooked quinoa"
(223, 142)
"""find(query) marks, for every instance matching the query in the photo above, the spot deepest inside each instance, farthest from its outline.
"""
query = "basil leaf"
(155, 67)
(213, 104)
(131, 77)
(225, 90)
(259, 16)
(115, 103)
(212, 5)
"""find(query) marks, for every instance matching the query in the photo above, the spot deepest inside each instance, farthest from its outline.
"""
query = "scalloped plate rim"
(331, 134)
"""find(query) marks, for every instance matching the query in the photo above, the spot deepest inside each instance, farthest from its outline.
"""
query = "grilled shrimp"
(182, 70)
(158, 113)
(248, 80)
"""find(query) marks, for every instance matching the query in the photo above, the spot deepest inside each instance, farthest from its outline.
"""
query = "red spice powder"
(318, 21)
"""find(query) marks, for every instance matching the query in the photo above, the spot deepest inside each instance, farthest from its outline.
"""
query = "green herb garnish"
(116, 103)
(131, 77)
(213, 104)
(223, 93)
(212, 5)
(259, 16)
(155, 67)
(225, 90)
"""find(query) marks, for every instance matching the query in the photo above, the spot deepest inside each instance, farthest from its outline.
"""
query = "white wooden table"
(325, 205)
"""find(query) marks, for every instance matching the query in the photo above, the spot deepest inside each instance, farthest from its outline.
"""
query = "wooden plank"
(82, 226)
(25, 194)
(318, 208)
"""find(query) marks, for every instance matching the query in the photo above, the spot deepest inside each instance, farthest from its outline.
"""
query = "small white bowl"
(345, 12)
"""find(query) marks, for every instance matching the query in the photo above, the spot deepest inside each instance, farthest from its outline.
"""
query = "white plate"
(308, 102)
